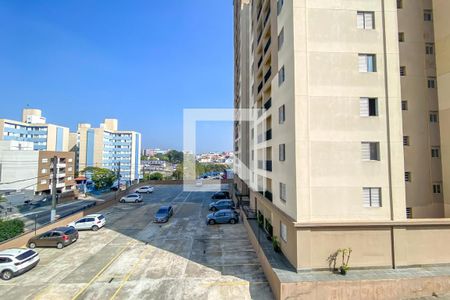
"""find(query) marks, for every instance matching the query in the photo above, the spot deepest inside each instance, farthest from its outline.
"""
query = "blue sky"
(140, 61)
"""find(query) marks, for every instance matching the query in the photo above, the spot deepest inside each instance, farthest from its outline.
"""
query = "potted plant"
(276, 244)
(346, 252)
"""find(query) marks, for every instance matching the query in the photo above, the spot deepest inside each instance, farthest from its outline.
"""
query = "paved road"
(133, 258)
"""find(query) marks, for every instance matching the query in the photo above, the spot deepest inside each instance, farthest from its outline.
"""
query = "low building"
(65, 171)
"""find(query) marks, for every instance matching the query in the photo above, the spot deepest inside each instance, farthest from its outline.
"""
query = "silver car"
(133, 198)
(90, 222)
(14, 262)
(145, 189)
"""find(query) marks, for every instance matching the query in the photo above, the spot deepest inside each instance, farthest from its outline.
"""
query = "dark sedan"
(163, 214)
(58, 237)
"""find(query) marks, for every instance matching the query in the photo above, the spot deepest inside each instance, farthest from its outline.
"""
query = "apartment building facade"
(33, 128)
(108, 147)
(344, 125)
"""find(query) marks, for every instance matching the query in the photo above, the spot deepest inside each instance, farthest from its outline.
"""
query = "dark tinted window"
(162, 211)
(56, 234)
(69, 231)
(90, 220)
(101, 217)
(45, 235)
(4, 260)
(25, 255)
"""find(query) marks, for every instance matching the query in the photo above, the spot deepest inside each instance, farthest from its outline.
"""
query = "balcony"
(268, 195)
(267, 18)
(267, 76)
(259, 38)
(260, 62)
(260, 86)
(260, 138)
(266, 47)
(268, 104)
(265, 165)
(269, 135)
(259, 13)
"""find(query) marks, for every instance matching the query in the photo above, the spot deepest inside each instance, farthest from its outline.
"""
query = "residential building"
(108, 147)
(343, 141)
(23, 168)
(33, 128)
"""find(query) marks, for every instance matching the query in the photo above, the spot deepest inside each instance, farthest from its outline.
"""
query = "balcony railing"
(259, 37)
(259, 13)
(268, 73)
(266, 47)
(268, 134)
(265, 165)
(260, 138)
(268, 104)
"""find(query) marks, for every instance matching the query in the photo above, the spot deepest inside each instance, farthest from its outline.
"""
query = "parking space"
(134, 258)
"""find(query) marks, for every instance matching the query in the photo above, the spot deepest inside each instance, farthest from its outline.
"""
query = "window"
(283, 231)
(402, 71)
(371, 197)
(281, 39)
(368, 107)
(370, 151)
(281, 114)
(45, 160)
(365, 20)
(44, 171)
(436, 188)
(409, 213)
(428, 15)
(253, 133)
(282, 152)
(281, 76)
(253, 154)
(43, 181)
(399, 3)
(408, 176)
(429, 48)
(401, 36)
(435, 152)
(283, 191)
(405, 140)
(280, 4)
(367, 63)
(434, 118)
(70, 160)
(404, 105)
(431, 82)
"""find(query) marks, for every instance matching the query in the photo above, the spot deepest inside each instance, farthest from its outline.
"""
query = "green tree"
(156, 176)
(102, 178)
(10, 229)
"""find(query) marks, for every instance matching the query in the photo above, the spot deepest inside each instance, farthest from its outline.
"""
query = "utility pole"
(118, 181)
(54, 181)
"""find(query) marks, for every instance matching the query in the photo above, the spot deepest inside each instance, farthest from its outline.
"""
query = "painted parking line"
(77, 295)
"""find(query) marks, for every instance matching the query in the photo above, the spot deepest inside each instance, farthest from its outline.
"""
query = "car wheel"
(32, 245)
(122, 201)
(59, 246)
(136, 201)
(94, 228)
(214, 209)
(232, 221)
(211, 222)
(7, 275)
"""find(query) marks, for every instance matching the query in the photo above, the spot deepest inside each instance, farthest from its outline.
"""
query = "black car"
(221, 195)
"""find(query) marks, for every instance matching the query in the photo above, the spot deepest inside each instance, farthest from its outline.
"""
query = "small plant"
(346, 252)
(276, 244)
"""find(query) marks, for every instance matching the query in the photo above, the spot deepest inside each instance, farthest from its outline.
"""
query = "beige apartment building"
(344, 143)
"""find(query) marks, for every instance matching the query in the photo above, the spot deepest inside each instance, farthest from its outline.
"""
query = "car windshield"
(25, 255)
(162, 211)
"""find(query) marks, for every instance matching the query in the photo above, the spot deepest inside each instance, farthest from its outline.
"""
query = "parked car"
(221, 195)
(163, 214)
(90, 222)
(131, 198)
(14, 262)
(222, 216)
(58, 237)
(221, 204)
(145, 189)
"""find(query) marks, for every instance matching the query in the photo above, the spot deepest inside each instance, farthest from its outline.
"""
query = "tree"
(156, 176)
(102, 178)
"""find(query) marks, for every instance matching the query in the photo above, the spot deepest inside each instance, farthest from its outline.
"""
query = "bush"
(10, 229)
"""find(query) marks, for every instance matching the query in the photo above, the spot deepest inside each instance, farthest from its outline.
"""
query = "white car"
(145, 189)
(14, 262)
(90, 222)
(135, 198)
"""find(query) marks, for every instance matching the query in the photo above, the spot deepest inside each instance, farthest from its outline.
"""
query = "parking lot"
(134, 258)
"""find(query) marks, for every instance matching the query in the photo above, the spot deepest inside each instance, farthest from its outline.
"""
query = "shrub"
(10, 229)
